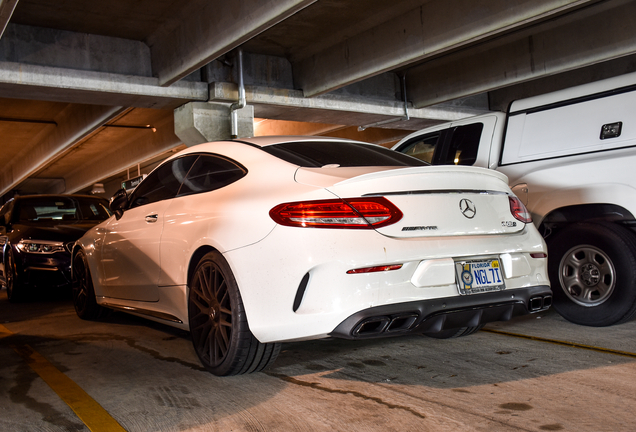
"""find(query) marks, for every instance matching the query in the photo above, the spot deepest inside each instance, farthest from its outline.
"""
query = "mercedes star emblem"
(467, 208)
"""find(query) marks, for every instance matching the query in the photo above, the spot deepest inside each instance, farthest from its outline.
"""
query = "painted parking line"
(4, 332)
(85, 407)
(564, 343)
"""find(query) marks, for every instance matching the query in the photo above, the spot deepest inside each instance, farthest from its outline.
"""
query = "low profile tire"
(15, 289)
(218, 325)
(592, 270)
(455, 333)
(82, 289)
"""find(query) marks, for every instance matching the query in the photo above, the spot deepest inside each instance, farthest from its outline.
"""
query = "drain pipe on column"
(241, 93)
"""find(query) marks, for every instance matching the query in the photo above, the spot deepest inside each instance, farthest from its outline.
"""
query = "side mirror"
(118, 203)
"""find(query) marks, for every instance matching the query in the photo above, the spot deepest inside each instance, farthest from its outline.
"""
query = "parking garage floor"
(540, 373)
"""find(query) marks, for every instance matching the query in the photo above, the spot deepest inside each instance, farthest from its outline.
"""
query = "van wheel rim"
(587, 275)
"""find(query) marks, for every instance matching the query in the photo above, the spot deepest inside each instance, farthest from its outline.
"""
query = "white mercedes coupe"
(253, 242)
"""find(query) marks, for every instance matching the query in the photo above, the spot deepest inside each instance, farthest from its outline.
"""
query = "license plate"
(479, 276)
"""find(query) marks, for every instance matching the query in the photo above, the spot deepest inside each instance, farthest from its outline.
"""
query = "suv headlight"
(41, 246)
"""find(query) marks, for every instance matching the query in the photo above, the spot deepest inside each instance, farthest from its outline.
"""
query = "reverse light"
(518, 210)
(351, 213)
(40, 246)
(375, 269)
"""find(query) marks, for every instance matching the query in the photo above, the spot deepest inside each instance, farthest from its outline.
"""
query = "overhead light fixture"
(98, 188)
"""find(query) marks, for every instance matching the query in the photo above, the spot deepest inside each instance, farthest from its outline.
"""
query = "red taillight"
(518, 210)
(360, 213)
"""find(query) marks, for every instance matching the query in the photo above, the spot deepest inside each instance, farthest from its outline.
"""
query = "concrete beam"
(500, 99)
(205, 30)
(433, 29)
(117, 160)
(6, 10)
(27, 81)
(285, 104)
(598, 33)
(73, 124)
(73, 50)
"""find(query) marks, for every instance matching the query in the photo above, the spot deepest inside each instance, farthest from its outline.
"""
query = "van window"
(454, 146)
(422, 147)
(463, 145)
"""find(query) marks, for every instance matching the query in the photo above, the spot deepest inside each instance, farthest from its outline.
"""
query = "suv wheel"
(592, 270)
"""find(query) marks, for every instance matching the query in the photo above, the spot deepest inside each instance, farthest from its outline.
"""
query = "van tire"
(592, 269)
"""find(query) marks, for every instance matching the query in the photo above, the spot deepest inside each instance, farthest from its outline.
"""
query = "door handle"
(151, 218)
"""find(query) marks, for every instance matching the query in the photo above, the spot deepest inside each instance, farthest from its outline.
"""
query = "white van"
(570, 156)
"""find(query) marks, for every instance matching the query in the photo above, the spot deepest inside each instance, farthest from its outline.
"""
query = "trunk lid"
(435, 200)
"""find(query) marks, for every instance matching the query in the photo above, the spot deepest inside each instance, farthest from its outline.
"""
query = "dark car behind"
(37, 233)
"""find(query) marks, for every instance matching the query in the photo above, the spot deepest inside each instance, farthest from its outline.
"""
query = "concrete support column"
(200, 122)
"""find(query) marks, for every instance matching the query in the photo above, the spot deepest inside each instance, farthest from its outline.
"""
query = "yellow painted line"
(4, 332)
(85, 407)
(564, 343)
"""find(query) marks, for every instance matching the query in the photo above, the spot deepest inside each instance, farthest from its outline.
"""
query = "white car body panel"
(270, 260)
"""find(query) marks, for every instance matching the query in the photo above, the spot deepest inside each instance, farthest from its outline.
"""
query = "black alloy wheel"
(592, 269)
(218, 325)
(82, 289)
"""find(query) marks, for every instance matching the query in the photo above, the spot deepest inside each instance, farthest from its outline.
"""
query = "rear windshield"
(316, 154)
(60, 209)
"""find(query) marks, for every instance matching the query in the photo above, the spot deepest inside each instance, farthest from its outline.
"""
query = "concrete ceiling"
(88, 88)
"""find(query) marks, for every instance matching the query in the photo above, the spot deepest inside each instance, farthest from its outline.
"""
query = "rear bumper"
(283, 304)
(436, 315)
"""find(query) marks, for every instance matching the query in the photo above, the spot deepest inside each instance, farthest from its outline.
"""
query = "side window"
(463, 145)
(163, 183)
(422, 147)
(209, 173)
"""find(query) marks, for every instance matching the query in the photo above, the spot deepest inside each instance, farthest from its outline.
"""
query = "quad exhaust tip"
(386, 324)
(539, 303)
